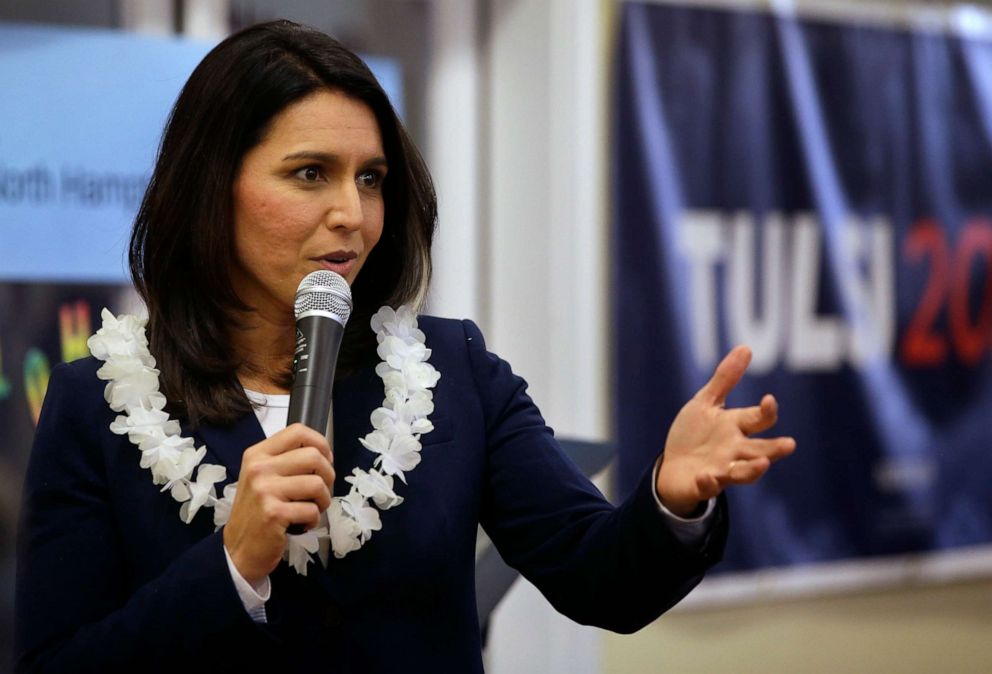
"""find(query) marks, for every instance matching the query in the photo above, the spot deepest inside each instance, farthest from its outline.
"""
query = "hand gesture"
(285, 479)
(708, 447)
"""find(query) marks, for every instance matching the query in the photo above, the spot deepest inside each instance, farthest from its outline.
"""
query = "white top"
(272, 410)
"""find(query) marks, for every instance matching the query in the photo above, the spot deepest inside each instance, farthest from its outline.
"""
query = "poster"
(817, 189)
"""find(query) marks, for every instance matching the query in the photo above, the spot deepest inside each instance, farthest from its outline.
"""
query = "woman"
(283, 156)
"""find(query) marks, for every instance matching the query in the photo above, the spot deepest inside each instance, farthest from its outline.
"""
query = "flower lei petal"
(397, 425)
(133, 389)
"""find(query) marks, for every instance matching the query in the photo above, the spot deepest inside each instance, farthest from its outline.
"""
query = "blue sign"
(82, 114)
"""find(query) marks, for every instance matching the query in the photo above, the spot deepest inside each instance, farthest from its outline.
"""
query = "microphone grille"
(324, 291)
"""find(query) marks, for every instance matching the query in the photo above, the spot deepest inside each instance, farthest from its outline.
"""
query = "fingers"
(278, 472)
(728, 373)
(758, 418)
(303, 488)
(769, 448)
(304, 513)
(709, 486)
(284, 480)
(281, 514)
(708, 446)
(303, 461)
(746, 471)
(293, 437)
(754, 458)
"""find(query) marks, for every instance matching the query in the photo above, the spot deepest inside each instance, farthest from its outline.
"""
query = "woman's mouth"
(341, 262)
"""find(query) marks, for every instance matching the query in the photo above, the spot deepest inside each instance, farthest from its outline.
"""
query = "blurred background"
(626, 189)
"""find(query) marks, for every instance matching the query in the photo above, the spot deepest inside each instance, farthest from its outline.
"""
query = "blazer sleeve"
(74, 609)
(617, 568)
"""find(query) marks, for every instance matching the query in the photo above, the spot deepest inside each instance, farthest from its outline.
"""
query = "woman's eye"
(369, 179)
(310, 174)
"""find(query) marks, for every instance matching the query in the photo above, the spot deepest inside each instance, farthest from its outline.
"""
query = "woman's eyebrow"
(328, 158)
(308, 154)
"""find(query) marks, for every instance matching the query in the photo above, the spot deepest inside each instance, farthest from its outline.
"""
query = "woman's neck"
(265, 341)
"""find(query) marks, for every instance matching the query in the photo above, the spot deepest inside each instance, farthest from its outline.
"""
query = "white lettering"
(760, 282)
(868, 286)
(814, 342)
(702, 243)
(764, 335)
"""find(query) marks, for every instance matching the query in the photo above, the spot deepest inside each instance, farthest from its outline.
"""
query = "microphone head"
(324, 293)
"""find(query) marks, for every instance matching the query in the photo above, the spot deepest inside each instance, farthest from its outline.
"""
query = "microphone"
(322, 308)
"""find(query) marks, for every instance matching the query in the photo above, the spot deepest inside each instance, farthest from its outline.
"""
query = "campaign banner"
(819, 191)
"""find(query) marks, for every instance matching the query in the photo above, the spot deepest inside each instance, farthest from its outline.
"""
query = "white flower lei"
(133, 388)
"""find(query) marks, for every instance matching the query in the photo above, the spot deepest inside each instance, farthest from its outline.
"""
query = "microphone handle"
(318, 340)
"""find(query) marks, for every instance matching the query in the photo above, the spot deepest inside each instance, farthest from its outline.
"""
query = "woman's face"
(308, 197)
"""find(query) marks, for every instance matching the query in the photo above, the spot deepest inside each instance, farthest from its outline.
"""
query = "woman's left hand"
(708, 447)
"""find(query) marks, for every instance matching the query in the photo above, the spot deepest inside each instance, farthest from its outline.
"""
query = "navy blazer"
(110, 579)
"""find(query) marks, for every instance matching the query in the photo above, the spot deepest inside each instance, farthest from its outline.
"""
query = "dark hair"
(181, 249)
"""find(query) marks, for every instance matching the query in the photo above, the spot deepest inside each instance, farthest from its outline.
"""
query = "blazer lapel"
(226, 444)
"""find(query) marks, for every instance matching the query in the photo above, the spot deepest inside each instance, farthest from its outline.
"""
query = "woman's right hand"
(286, 479)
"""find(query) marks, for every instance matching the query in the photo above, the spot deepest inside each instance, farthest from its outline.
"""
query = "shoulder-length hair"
(181, 249)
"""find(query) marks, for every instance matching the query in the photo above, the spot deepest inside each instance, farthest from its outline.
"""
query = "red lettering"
(971, 339)
(921, 345)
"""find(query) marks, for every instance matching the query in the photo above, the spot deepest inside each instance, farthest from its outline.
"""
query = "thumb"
(726, 376)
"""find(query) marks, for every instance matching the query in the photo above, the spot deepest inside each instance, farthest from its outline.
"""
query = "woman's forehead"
(322, 111)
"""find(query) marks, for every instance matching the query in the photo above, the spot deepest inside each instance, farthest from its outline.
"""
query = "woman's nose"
(346, 209)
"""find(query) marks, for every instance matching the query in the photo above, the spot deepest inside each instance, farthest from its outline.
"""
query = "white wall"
(522, 244)
(518, 150)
